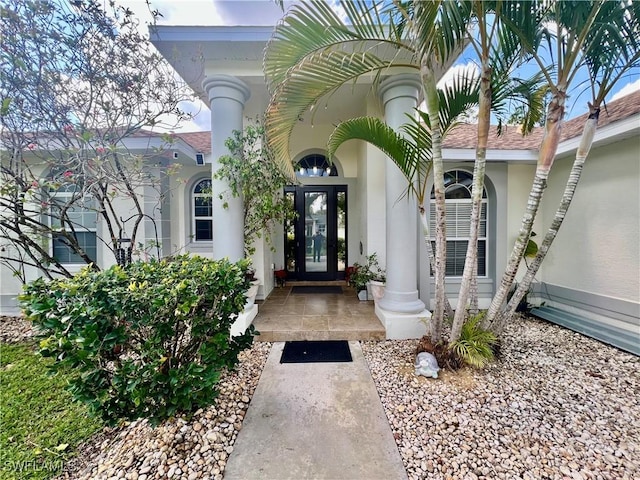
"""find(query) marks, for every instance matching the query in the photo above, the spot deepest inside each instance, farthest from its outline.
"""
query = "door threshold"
(303, 283)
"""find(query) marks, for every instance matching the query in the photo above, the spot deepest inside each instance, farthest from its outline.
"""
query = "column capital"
(401, 85)
(226, 86)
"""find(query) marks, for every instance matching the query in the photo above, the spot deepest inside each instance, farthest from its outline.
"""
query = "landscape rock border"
(558, 405)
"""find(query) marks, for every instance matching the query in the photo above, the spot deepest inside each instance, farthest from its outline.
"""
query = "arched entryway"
(316, 242)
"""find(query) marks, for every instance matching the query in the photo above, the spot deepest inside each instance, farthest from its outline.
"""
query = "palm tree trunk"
(479, 168)
(548, 148)
(448, 311)
(473, 292)
(574, 177)
(432, 103)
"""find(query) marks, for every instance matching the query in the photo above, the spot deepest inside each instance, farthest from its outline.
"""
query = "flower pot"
(251, 294)
(362, 295)
(377, 289)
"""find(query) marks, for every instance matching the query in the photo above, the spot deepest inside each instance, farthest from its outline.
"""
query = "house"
(356, 201)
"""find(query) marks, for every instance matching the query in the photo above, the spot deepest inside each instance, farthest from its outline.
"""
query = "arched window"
(315, 165)
(202, 211)
(457, 185)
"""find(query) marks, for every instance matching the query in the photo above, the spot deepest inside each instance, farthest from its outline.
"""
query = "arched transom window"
(315, 165)
(202, 211)
(458, 210)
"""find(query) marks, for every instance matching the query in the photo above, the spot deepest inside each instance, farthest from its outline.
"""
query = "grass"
(40, 425)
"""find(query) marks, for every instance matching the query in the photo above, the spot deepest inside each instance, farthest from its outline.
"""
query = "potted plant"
(378, 278)
(368, 273)
(250, 171)
(250, 276)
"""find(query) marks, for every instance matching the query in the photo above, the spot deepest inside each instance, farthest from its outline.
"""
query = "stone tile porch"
(286, 316)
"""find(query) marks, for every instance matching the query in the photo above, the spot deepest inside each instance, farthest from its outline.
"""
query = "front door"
(316, 241)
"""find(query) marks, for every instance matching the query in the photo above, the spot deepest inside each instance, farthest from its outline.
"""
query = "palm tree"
(313, 52)
(609, 54)
(498, 50)
(412, 152)
(599, 35)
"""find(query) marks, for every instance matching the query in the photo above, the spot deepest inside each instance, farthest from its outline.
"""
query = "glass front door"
(316, 241)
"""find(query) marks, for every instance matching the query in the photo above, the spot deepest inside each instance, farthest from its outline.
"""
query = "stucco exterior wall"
(519, 184)
(152, 203)
(597, 249)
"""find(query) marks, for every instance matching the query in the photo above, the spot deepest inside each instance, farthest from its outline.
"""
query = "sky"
(266, 12)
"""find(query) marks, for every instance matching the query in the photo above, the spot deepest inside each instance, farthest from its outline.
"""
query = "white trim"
(616, 131)
(208, 34)
(65, 196)
(493, 155)
(149, 143)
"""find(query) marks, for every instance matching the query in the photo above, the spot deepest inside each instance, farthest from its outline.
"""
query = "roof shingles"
(465, 135)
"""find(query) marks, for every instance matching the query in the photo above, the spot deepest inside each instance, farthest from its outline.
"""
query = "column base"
(401, 302)
(244, 320)
(403, 326)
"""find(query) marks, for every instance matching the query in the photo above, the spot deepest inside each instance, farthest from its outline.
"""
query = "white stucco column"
(400, 96)
(227, 96)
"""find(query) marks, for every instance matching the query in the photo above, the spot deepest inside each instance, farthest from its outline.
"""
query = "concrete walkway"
(315, 421)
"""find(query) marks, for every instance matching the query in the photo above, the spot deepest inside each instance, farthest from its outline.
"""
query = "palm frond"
(412, 156)
(313, 26)
(456, 98)
(319, 75)
(612, 47)
(475, 343)
(313, 52)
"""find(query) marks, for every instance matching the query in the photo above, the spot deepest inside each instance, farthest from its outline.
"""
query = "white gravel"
(15, 330)
(192, 448)
(557, 406)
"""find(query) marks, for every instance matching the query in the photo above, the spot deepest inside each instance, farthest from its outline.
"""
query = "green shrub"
(149, 340)
(475, 344)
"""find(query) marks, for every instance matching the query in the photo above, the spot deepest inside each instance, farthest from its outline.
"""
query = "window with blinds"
(458, 220)
(75, 216)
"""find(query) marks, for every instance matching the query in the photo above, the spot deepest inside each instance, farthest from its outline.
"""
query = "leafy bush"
(251, 172)
(475, 344)
(148, 340)
(363, 274)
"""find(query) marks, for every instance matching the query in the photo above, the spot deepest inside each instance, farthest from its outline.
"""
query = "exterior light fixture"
(123, 252)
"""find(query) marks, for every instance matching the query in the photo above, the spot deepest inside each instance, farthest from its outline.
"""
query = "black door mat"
(316, 351)
(300, 289)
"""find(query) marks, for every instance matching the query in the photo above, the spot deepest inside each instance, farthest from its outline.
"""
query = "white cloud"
(208, 12)
(626, 90)
(191, 12)
(200, 120)
(469, 68)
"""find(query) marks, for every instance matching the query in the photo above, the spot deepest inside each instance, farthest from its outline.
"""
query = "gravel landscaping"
(192, 448)
(556, 406)
(15, 330)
